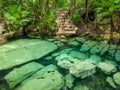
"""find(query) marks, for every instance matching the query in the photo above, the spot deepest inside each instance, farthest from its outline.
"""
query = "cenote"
(58, 64)
(59, 44)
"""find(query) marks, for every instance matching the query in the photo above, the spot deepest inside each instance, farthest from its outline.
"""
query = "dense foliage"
(40, 15)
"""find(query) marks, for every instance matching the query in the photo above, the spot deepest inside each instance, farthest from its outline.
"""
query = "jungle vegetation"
(23, 17)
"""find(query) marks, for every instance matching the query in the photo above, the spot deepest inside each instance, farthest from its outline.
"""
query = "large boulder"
(116, 78)
(82, 69)
(88, 45)
(19, 74)
(65, 61)
(107, 68)
(46, 79)
(22, 51)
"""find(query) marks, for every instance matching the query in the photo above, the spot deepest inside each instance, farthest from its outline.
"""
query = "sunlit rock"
(88, 45)
(116, 78)
(22, 51)
(111, 81)
(107, 68)
(94, 59)
(19, 74)
(69, 80)
(46, 79)
(82, 69)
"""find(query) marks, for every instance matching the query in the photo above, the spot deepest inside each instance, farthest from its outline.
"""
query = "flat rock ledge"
(22, 51)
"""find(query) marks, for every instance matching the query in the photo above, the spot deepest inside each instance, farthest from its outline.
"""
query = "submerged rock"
(66, 61)
(78, 55)
(107, 68)
(88, 45)
(73, 43)
(116, 78)
(104, 50)
(81, 87)
(117, 55)
(80, 39)
(111, 81)
(19, 74)
(82, 69)
(22, 51)
(64, 51)
(46, 79)
(94, 59)
(112, 49)
(69, 80)
(97, 48)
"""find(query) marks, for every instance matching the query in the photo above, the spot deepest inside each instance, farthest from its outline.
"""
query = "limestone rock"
(64, 51)
(46, 79)
(88, 45)
(78, 55)
(112, 49)
(97, 48)
(81, 87)
(94, 59)
(116, 78)
(117, 56)
(73, 43)
(82, 69)
(111, 82)
(107, 68)
(69, 80)
(66, 61)
(22, 51)
(105, 49)
(80, 39)
(19, 74)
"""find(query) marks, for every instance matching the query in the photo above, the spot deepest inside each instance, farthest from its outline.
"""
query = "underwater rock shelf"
(22, 51)
(79, 64)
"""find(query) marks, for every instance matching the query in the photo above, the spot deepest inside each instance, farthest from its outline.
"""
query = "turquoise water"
(72, 50)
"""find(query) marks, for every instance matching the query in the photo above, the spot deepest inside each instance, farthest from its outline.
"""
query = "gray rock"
(111, 82)
(22, 51)
(19, 74)
(69, 80)
(116, 78)
(88, 45)
(82, 69)
(107, 68)
(46, 79)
